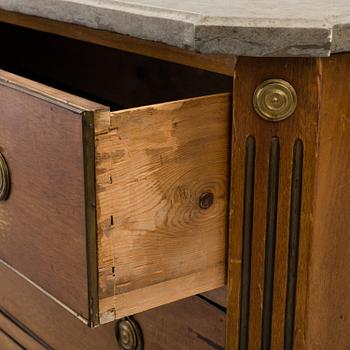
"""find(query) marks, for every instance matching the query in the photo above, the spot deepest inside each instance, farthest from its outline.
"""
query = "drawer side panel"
(156, 242)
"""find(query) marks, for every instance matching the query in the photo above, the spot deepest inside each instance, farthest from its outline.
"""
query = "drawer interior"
(158, 173)
(115, 78)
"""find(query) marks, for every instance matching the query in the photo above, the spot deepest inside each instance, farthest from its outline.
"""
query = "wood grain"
(8, 343)
(223, 64)
(156, 244)
(187, 324)
(45, 318)
(42, 224)
(191, 323)
(150, 296)
(328, 299)
(19, 335)
(245, 324)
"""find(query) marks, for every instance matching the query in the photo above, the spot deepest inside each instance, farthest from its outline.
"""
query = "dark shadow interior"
(112, 77)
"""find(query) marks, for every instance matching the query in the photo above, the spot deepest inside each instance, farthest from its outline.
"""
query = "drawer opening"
(115, 78)
(125, 209)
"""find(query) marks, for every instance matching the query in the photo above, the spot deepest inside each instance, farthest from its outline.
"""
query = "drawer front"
(148, 186)
(191, 324)
(8, 343)
(43, 223)
(16, 336)
(47, 320)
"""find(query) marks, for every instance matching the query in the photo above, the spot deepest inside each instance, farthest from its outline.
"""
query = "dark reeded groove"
(294, 225)
(213, 303)
(247, 232)
(271, 223)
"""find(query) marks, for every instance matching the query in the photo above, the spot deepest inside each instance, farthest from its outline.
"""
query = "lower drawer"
(16, 336)
(190, 324)
(7, 342)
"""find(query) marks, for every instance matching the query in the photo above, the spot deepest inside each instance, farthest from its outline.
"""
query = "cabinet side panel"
(329, 310)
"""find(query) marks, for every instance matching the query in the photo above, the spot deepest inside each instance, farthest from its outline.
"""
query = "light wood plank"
(152, 165)
(163, 293)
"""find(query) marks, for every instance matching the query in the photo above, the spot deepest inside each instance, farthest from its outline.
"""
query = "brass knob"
(129, 334)
(275, 100)
(4, 179)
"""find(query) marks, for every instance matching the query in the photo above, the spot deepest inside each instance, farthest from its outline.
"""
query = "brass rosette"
(128, 334)
(275, 100)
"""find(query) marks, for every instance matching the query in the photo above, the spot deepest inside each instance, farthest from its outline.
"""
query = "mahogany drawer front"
(43, 226)
(8, 343)
(113, 213)
(48, 320)
(188, 324)
(13, 336)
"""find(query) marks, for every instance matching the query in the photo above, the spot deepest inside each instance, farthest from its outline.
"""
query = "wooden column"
(289, 266)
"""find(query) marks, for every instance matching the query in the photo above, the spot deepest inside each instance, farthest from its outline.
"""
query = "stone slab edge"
(236, 36)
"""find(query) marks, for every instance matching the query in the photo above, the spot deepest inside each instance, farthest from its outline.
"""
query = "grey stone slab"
(283, 28)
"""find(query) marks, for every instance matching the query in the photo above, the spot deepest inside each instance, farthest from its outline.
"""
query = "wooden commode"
(152, 154)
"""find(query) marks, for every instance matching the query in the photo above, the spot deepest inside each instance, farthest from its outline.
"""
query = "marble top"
(240, 27)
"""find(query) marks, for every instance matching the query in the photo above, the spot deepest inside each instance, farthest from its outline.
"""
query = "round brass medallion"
(275, 100)
(4, 179)
(128, 334)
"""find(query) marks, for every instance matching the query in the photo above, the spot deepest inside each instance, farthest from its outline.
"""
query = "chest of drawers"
(135, 174)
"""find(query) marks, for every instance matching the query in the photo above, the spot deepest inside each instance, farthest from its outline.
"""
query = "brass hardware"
(90, 215)
(275, 100)
(129, 334)
(206, 200)
(4, 179)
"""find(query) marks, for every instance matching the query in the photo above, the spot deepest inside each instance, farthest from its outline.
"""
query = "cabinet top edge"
(289, 28)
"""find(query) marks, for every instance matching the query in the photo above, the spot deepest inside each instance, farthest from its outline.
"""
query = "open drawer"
(111, 213)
